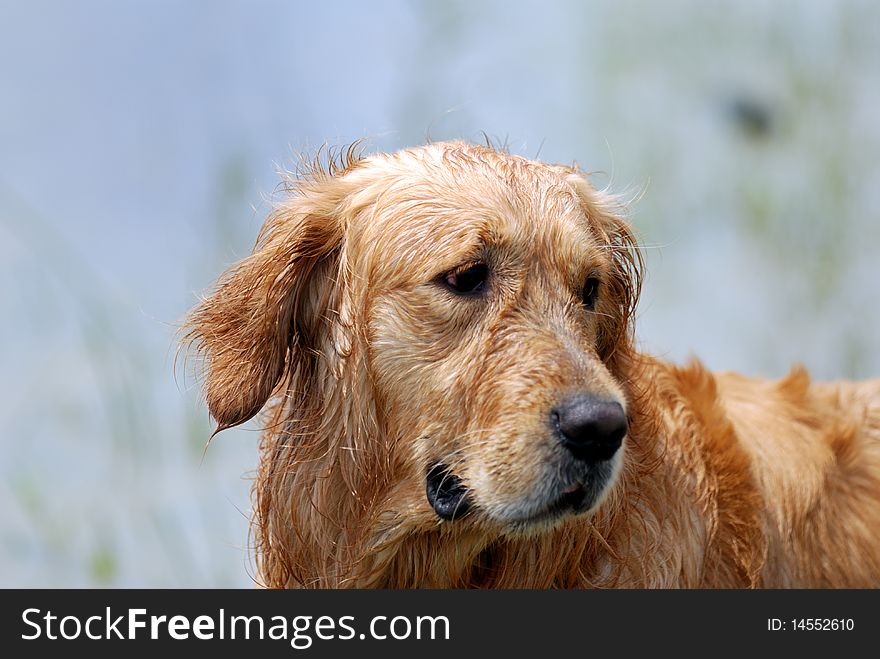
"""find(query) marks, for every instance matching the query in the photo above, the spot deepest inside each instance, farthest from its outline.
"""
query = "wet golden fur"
(367, 371)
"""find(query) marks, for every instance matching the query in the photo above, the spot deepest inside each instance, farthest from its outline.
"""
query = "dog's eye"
(590, 293)
(470, 280)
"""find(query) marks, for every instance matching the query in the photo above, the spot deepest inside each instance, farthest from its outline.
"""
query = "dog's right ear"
(267, 307)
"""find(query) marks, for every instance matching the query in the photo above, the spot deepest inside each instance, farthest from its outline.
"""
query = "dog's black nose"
(590, 428)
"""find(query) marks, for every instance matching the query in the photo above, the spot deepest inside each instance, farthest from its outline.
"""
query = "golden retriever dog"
(441, 343)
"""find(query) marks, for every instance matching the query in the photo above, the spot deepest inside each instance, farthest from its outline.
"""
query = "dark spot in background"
(753, 116)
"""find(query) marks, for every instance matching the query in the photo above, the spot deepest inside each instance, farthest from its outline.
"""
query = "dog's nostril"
(590, 428)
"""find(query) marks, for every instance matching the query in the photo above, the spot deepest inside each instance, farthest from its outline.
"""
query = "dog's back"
(814, 451)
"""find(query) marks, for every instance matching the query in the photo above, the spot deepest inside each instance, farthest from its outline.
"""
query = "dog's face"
(487, 308)
(487, 298)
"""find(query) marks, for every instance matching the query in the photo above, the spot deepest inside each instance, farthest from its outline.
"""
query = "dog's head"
(462, 311)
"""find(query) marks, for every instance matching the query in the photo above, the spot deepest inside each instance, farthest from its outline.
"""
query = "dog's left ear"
(625, 281)
(266, 310)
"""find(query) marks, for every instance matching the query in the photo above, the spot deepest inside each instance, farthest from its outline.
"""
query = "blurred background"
(139, 144)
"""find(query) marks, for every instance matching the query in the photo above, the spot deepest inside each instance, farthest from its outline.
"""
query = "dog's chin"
(556, 501)
(578, 499)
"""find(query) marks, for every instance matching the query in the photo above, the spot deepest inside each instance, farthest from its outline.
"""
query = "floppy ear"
(625, 282)
(265, 310)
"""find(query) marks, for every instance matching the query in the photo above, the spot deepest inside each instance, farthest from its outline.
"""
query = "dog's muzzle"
(589, 433)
